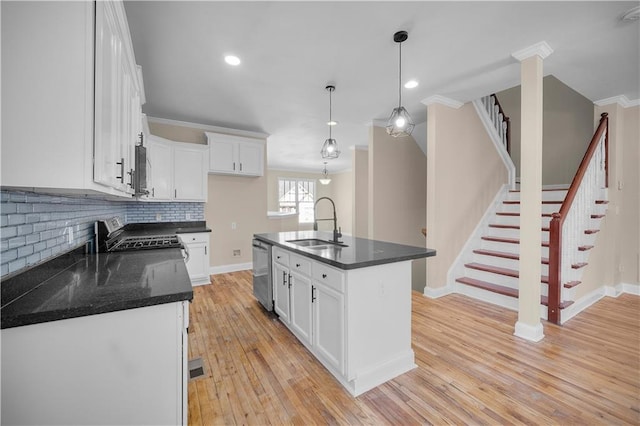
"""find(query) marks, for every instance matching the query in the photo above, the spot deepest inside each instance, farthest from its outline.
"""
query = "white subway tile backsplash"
(34, 227)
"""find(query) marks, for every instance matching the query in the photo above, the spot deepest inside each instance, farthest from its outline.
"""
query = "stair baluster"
(566, 230)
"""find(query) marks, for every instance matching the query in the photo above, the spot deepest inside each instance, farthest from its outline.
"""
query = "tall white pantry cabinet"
(57, 135)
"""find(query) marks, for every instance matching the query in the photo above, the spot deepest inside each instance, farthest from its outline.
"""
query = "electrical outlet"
(158, 217)
(234, 225)
(236, 252)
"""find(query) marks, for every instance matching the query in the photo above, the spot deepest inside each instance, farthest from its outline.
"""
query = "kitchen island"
(349, 303)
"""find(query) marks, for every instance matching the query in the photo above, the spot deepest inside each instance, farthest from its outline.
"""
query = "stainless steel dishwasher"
(262, 282)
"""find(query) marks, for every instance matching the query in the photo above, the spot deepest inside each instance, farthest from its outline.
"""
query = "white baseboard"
(592, 297)
(434, 293)
(223, 269)
(631, 288)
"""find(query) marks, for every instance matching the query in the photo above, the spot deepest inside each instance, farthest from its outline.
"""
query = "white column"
(528, 325)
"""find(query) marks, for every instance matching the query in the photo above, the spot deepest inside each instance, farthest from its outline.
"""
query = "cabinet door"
(222, 157)
(198, 264)
(160, 171)
(189, 174)
(250, 156)
(198, 253)
(301, 307)
(281, 291)
(108, 161)
(328, 319)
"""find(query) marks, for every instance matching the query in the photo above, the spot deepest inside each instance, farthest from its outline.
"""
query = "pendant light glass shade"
(400, 122)
(325, 179)
(330, 147)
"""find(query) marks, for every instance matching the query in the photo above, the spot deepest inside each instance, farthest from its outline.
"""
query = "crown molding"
(621, 100)
(541, 49)
(442, 100)
(209, 128)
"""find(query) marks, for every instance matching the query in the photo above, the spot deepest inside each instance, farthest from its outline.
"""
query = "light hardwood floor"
(471, 369)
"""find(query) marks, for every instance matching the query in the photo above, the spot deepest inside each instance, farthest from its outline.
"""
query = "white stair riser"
(515, 208)
(494, 298)
(512, 233)
(557, 195)
(508, 247)
(515, 220)
(502, 262)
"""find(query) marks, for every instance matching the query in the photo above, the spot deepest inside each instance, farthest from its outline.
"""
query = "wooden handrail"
(508, 121)
(557, 219)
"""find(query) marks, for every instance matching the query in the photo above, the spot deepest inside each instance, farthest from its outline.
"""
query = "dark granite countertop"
(77, 284)
(354, 253)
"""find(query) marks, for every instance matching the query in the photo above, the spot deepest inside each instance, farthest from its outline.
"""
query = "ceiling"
(291, 50)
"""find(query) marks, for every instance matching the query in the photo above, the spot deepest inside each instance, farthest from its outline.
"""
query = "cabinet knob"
(297, 265)
(278, 257)
(324, 275)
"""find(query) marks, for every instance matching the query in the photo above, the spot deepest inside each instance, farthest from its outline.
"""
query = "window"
(297, 195)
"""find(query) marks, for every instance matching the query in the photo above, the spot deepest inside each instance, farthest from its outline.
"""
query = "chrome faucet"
(337, 232)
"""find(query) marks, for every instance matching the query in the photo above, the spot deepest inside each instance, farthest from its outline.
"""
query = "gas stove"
(112, 236)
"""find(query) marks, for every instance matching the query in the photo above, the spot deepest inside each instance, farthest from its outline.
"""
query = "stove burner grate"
(141, 243)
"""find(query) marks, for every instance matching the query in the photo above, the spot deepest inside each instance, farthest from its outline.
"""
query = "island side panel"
(378, 324)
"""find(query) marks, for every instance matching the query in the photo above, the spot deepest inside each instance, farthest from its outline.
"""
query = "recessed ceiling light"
(232, 60)
(411, 84)
(332, 123)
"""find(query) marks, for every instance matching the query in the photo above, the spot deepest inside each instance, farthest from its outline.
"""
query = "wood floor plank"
(471, 368)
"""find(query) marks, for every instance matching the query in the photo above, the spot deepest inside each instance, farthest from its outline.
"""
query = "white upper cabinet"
(235, 155)
(176, 171)
(48, 74)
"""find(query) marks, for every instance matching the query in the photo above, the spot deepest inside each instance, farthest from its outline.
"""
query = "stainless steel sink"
(316, 244)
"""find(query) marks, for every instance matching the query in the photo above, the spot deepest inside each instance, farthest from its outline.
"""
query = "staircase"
(489, 270)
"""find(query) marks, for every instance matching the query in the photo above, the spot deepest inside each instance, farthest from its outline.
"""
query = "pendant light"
(325, 179)
(330, 146)
(400, 122)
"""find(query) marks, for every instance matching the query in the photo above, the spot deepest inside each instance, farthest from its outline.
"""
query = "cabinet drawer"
(194, 238)
(280, 256)
(300, 264)
(328, 276)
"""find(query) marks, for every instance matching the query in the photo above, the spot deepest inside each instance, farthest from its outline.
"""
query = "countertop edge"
(346, 266)
(51, 316)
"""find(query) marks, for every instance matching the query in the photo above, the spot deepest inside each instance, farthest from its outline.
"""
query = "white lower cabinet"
(197, 244)
(281, 284)
(328, 321)
(356, 322)
(124, 367)
(312, 309)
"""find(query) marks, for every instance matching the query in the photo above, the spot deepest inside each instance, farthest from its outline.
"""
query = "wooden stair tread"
(518, 214)
(602, 202)
(591, 231)
(597, 216)
(505, 291)
(571, 284)
(494, 288)
(505, 255)
(585, 248)
(544, 189)
(544, 300)
(501, 226)
(579, 265)
(543, 202)
(501, 271)
(509, 240)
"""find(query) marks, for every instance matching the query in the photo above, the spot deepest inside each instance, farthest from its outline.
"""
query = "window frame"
(296, 183)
